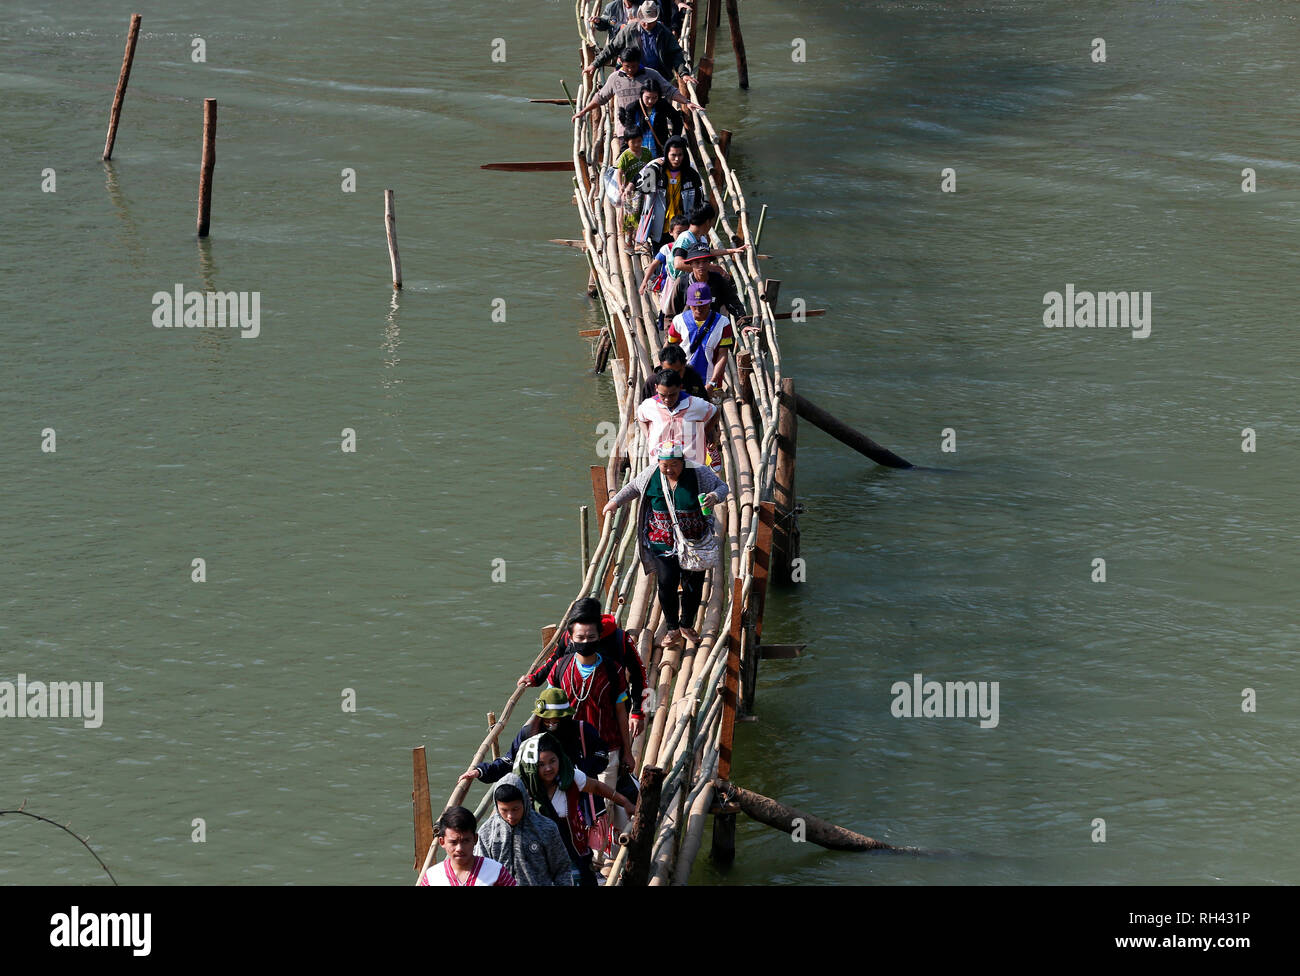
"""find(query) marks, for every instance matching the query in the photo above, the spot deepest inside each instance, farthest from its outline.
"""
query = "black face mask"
(583, 647)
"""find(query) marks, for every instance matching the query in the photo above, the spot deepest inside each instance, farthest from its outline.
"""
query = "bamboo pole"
(390, 226)
(584, 537)
(209, 161)
(119, 96)
(496, 742)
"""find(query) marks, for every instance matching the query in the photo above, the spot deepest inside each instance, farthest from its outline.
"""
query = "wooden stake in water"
(390, 223)
(738, 43)
(209, 161)
(132, 33)
(586, 545)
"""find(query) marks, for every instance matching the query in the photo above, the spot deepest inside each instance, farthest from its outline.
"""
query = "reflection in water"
(131, 235)
(392, 339)
(207, 270)
(211, 341)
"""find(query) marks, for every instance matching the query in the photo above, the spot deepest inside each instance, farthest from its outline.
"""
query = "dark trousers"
(667, 573)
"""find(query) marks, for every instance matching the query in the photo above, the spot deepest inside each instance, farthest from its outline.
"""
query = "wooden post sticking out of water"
(585, 543)
(785, 534)
(738, 43)
(423, 807)
(119, 96)
(704, 74)
(724, 142)
(390, 224)
(209, 161)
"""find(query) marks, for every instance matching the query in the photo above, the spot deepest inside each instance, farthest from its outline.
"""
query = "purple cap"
(697, 293)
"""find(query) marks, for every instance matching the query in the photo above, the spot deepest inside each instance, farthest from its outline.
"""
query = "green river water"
(371, 570)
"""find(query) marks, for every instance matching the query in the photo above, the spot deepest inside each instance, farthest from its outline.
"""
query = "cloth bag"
(692, 556)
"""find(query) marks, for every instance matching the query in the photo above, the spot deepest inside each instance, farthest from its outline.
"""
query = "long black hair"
(686, 151)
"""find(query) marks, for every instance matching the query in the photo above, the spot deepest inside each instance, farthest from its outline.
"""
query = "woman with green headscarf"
(557, 787)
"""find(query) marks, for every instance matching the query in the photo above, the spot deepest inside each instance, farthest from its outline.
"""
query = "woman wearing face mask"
(557, 788)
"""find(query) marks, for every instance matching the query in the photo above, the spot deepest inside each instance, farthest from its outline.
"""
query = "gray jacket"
(636, 488)
(532, 852)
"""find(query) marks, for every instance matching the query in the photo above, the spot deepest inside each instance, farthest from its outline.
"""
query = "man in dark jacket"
(528, 844)
(553, 713)
(659, 49)
(613, 644)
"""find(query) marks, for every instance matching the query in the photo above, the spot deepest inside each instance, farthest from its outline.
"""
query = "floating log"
(842, 432)
(540, 166)
(641, 830)
(115, 114)
(207, 165)
(580, 245)
(423, 806)
(549, 101)
(820, 832)
(807, 313)
(738, 42)
(390, 226)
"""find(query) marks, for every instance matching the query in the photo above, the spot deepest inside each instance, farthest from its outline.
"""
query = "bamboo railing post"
(820, 832)
(738, 42)
(390, 227)
(705, 71)
(496, 744)
(209, 161)
(115, 113)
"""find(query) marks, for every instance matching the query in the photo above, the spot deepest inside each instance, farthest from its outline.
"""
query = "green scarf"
(527, 760)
